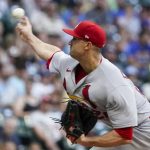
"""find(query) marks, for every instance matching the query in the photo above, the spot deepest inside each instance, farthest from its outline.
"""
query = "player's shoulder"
(111, 73)
(109, 69)
(65, 60)
(62, 58)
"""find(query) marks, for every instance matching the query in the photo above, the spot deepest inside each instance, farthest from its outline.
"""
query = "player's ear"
(88, 45)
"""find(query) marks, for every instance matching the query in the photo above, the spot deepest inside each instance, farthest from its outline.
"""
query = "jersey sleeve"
(121, 107)
(126, 133)
(57, 62)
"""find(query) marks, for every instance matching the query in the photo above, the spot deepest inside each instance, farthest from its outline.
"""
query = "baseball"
(18, 13)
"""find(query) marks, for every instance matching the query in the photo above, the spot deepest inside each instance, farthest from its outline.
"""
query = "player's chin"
(128, 141)
(72, 54)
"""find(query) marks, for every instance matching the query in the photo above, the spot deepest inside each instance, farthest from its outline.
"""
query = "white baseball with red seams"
(18, 13)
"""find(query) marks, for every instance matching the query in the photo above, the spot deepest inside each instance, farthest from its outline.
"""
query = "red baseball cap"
(90, 31)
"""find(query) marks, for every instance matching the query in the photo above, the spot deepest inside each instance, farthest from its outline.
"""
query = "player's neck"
(90, 63)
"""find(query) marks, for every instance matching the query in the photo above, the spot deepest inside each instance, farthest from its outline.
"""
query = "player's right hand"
(24, 29)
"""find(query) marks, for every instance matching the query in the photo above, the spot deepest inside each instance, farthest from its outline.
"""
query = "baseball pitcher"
(98, 85)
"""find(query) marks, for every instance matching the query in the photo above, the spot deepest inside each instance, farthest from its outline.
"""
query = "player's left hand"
(77, 120)
(71, 139)
(81, 140)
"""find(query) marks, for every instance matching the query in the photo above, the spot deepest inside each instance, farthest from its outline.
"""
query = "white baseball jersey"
(112, 96)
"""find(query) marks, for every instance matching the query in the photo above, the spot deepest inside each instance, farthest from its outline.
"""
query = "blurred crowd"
(30, 95)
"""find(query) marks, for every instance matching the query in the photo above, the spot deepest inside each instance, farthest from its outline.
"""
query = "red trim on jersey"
(126, 133)
(85, 93)
(49, 60)
(79, 73)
